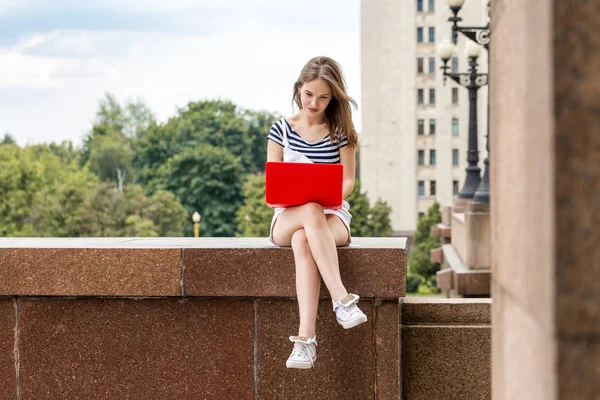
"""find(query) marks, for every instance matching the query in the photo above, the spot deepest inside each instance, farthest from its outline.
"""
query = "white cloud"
(58, 78)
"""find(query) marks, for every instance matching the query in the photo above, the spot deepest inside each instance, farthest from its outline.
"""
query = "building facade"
(414, 135)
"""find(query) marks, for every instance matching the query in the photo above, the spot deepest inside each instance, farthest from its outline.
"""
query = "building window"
(454, 187)
(421, 188)
(432, 65)
(454, 95)
(455, 157)
(455, 126)
(420, 96)
(420, 65)
(421, 215)
(432, 188)
(419, 5)
(431, 157)
(431, 5)
(421, 157)
(431, 96)
(421, 127)
(431, 34)
(454, 65)
(419, 35)
(432, 126)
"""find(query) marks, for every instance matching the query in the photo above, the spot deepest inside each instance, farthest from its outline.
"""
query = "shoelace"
(349, 312)
(301, 347)
(347, 307)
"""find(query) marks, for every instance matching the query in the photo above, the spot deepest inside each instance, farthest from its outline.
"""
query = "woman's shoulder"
(279, 123)
(277, 130)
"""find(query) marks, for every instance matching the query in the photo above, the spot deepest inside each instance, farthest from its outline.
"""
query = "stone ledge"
(442, 231)
(417, 311)
(90, 272)
(436, 255)
(159, 267)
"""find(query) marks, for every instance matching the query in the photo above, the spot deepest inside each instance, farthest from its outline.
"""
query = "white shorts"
(343, 213)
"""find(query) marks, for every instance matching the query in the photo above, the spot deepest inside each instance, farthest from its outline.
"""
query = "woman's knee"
(313, 213)
(299, 240)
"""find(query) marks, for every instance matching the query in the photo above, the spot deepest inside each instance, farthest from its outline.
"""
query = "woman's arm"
(274, 151)
(348, 160)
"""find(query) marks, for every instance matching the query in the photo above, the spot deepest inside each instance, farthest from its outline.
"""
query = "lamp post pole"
(482, 194)
(473, 81)
(481, 36)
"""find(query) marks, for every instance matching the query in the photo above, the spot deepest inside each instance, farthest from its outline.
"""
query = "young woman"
(321, 132)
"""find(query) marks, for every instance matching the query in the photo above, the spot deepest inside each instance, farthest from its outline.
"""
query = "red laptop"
(291, 184)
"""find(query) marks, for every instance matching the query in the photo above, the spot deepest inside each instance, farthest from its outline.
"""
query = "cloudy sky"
(58, 58)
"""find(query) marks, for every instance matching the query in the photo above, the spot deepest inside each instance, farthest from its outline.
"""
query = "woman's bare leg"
(322, 239)
(308, 284)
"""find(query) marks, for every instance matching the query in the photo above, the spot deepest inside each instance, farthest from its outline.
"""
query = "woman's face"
(315, 96)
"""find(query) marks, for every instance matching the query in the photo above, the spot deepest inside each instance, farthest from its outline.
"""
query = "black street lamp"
(480, 35)
(473, 81)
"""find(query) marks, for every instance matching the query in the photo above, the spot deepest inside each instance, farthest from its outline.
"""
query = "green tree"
(104, 212)
(419, 263)
(217, 123)
(379, 223)
(8, 139)
(110, 212)
(129, 121)
(206, 179)
(20, 178)
(254, 217)
(65, 151)
(111, 158)
(258, 125)
(154, 149)
(168, 214)
(360, 210)
(368, 221)
(41, 195)
(56, 207)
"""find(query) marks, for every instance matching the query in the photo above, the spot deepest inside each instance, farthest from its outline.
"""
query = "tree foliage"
(8, 139)
(369, 221)
(254, 216)
(111, 212)
(42, 195)
(206, 179)
(419, 263)
(126, 123)
(111, 159)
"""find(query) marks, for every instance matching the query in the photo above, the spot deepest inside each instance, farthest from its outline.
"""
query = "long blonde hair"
(338, 112)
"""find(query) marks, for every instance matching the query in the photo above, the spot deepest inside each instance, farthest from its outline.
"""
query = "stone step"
(456, 276)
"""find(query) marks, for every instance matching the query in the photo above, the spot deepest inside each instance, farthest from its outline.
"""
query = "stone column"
(545, 122)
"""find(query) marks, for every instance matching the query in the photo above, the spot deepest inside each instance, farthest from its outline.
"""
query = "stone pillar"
(545, 176)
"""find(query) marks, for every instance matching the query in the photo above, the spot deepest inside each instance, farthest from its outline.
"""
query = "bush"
(412, 283)
(428, 287)
(420, 256)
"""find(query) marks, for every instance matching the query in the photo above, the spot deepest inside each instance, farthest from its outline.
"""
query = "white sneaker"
(304, 354)
(347, 312)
